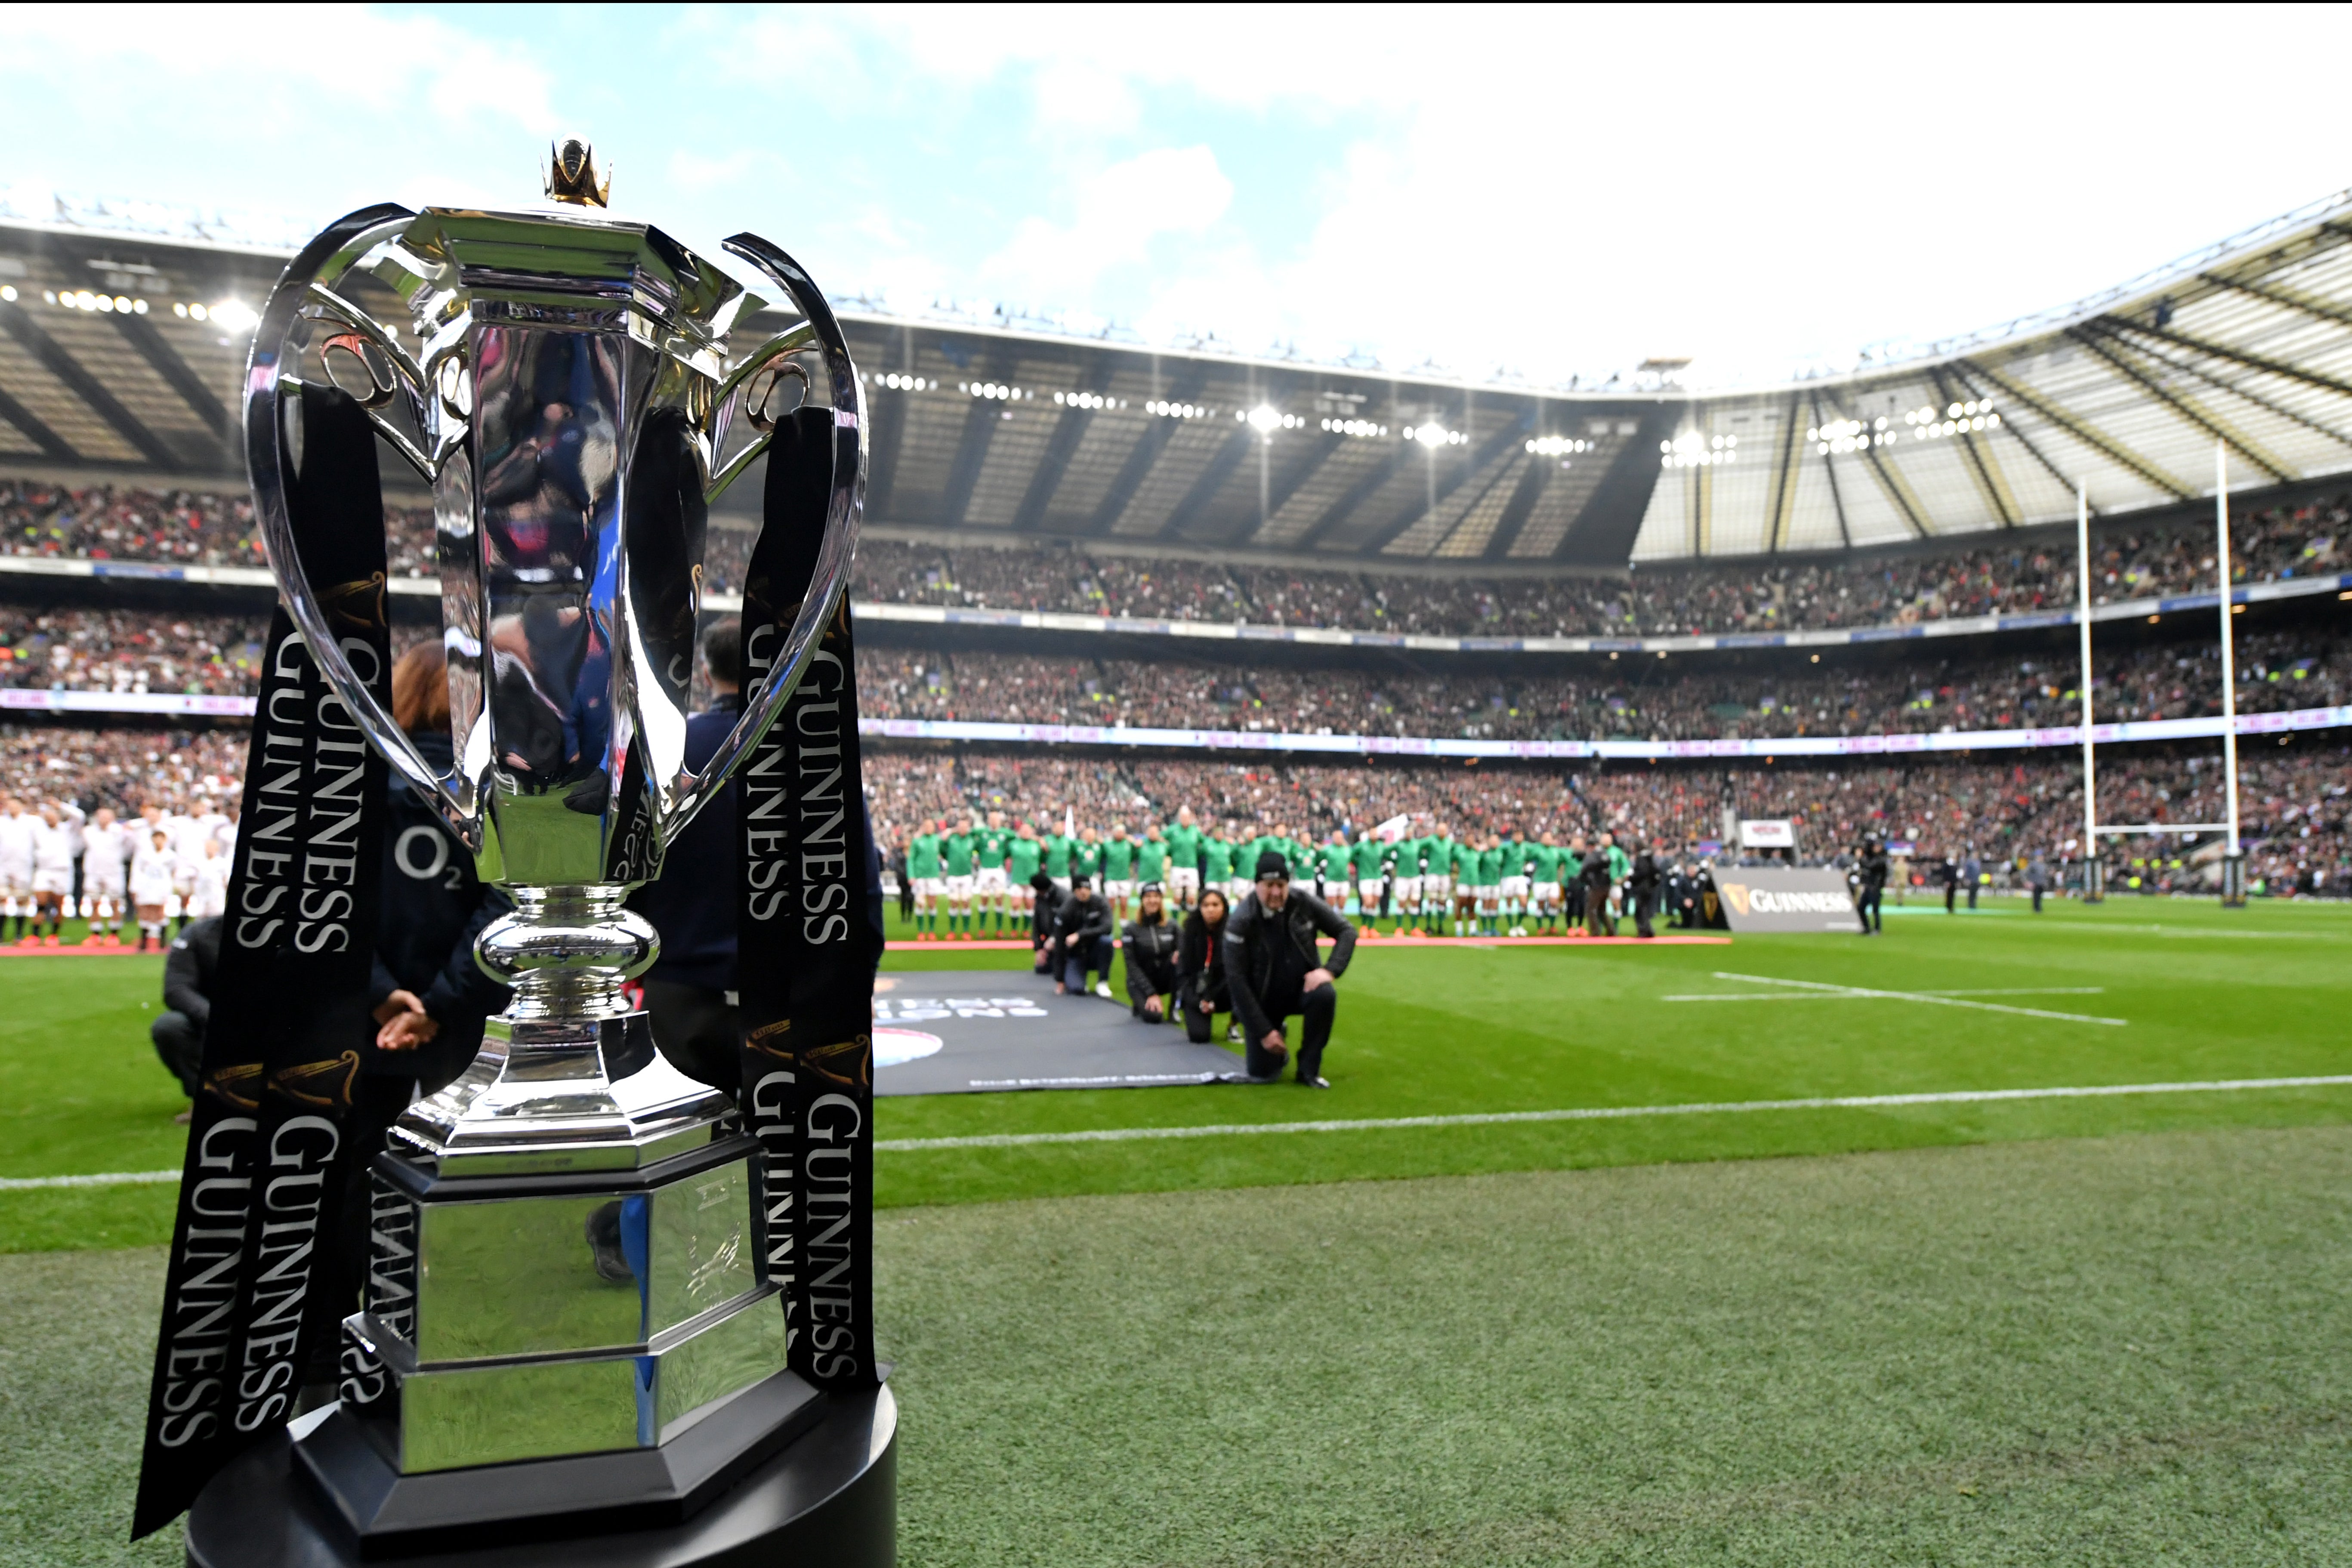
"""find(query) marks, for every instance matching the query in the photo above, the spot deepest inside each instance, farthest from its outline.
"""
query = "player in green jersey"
(1515, 884)
(1152, 859)
(1118, 872)
(1490, 886)
(923, 866)
(1085, 861)
(1332, 863)
(1061, 849)
(1216, 864)
(1620, 865)
(1436, 879)
(957, 851)
(1371, 869)
(1023, 855)
(1543, 884)
(1406, 883)
(1184, 844)
(1466, 862)
(990, 887)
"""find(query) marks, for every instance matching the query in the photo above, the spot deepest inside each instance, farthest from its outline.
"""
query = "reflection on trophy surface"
(564, 1261)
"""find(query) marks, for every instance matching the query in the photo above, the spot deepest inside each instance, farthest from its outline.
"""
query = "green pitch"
(2202, 993)
(2035, 1343)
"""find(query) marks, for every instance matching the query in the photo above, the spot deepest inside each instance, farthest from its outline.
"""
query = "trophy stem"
(568, 953)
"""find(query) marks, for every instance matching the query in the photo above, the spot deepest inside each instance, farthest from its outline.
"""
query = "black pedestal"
(831, 1498)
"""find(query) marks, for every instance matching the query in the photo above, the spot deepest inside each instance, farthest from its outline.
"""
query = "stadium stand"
(1912, 521)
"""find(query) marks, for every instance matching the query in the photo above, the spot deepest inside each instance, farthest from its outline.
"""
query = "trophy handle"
(818, 330)
(266, 381)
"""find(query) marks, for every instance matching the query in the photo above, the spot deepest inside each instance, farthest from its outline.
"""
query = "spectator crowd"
(1749, 595)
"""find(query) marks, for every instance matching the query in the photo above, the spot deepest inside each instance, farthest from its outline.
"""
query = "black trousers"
(1199, 1027)
(1867, 908)
(180, 1042)
(2037, 900)
(1091, 954)
(1316, 1009)
(698, 1031)
(1645, 907)
(1951, 896)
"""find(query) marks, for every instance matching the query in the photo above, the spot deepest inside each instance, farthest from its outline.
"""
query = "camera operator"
(1201, 989)
(1082, 940)
(1275, 971)
(1150, 942)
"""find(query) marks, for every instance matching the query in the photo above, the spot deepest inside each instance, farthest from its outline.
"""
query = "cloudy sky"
(1557, 193)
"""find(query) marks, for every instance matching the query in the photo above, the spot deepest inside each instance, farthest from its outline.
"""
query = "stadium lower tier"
(137, 653)
(2295, 793)
(1748, 596)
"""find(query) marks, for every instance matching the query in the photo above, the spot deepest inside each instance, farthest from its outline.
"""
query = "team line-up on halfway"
(1428, 883)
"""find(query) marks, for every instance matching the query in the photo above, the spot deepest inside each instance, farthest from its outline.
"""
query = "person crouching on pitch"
(1273, 970)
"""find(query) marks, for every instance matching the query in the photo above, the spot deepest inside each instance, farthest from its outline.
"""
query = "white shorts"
(1118, 890)
(1514, 887)
(1546, 893)
(91, 887)
(960, 889)
(1437, 887)
(1408, 889)
(929, 887)
(1237, 890)
(1490, 893)
(1369, 892)
(59, 882)
(989, 879)
(1183, 879)
(1063, 883)
(14, 883)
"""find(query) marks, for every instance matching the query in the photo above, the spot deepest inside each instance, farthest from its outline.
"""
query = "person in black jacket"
(1273, 970)
(1150, 942)
(1871, 887)
(179, 1030)
(690, 989)
(1643, 883)
(428, 996)
(1201, 990)
(1082, 941)
(1044, 916)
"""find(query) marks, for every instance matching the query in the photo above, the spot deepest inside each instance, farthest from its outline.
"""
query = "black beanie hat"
(1270, 863)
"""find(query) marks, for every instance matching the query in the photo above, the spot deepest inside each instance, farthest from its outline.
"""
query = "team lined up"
(982, 873)
(59, 861)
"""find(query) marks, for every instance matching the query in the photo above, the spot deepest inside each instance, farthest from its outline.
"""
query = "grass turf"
(2207, 994)
(2119, 1350)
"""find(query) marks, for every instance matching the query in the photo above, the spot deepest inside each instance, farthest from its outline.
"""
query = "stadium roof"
(986, 428)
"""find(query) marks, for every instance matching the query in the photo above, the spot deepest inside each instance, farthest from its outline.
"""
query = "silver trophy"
(564, 1236)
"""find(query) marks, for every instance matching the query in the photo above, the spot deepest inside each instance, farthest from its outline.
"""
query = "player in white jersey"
(105, 866)
(208, 879)
(154, 870)
(56, 843)
(15, 866)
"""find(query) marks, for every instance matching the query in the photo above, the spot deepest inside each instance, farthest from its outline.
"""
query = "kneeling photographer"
(1275, 970)
(1150, 942)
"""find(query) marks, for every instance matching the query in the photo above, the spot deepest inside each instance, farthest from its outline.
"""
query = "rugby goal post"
(2233, 865)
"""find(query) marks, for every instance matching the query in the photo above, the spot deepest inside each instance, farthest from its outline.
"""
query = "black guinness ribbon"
(244, 1299)
(805, 944)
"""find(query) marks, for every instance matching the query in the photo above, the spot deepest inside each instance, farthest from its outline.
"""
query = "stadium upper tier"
(2288, 550)
(121, 352)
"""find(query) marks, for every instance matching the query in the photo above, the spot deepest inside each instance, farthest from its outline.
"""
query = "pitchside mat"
(950, 1032)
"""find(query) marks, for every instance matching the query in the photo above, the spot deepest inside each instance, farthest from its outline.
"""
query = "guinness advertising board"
(1786, 897)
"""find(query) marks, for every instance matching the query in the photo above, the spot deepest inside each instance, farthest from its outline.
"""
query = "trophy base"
(830, 1497)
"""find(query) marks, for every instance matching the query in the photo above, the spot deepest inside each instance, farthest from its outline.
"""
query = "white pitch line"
(1851, 995)
(1822, 986)
(110, 1179)
(1601, 1113)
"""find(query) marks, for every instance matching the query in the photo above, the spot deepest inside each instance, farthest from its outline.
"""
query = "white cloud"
(1117, 215)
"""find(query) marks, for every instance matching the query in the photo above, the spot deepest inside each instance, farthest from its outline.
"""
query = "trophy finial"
(572, 175)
